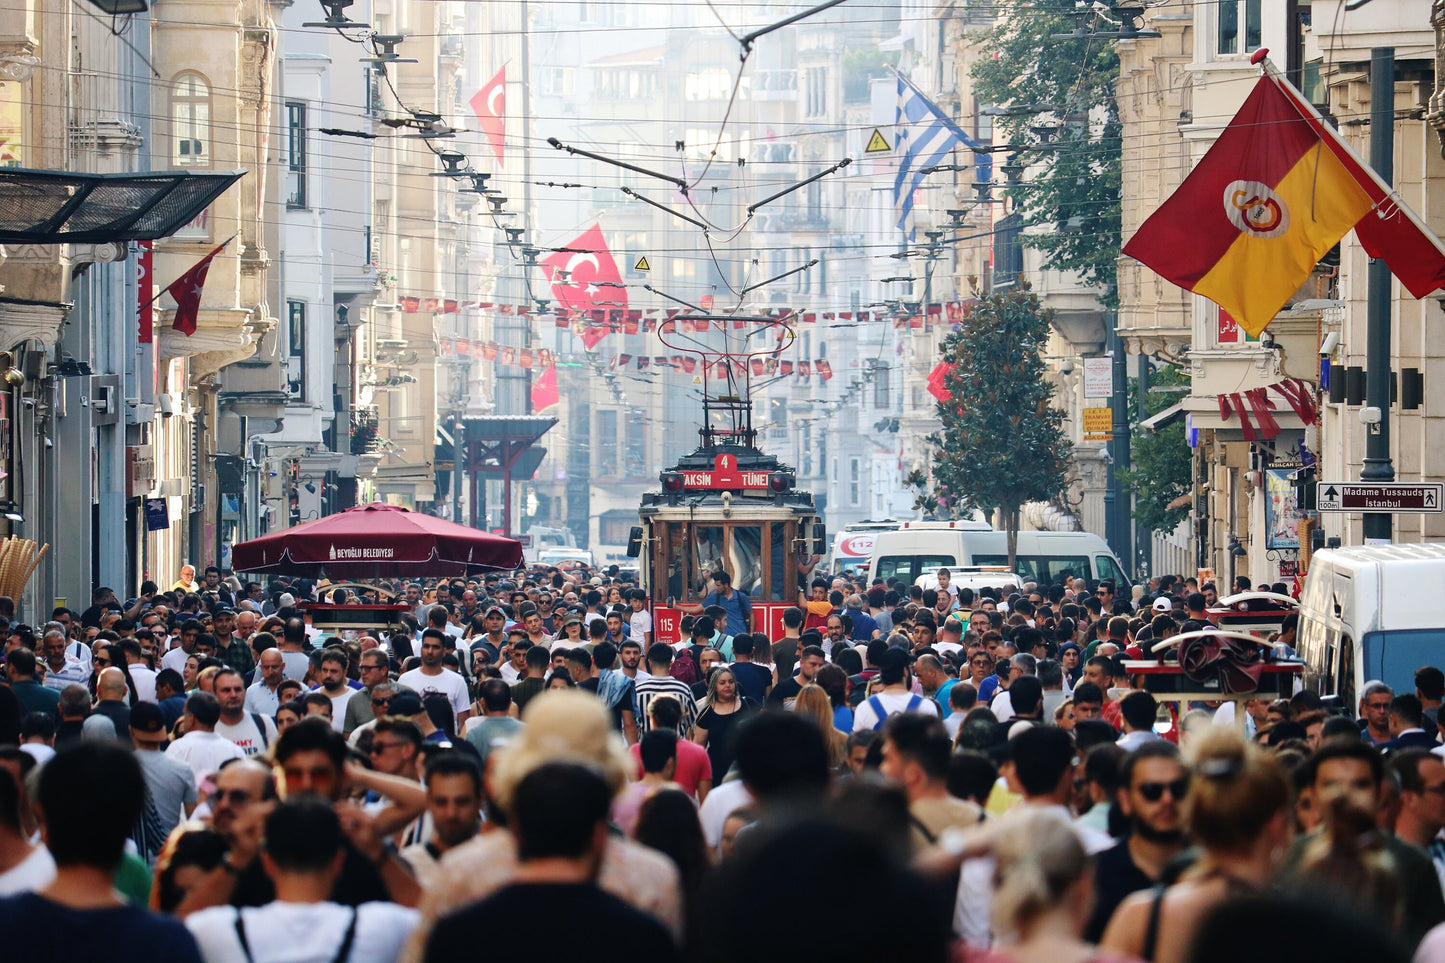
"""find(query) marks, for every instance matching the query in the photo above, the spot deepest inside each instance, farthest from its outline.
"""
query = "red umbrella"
(377, 541)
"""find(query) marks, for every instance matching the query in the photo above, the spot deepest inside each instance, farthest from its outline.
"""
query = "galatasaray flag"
(1248, 225)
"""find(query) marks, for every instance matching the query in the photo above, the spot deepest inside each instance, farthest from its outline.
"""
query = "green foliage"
(1161, 467)
(860, 65)
(1002, 443)
(1073, 186)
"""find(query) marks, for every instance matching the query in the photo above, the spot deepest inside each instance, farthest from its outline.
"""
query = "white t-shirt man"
(204, 751)
(245, 734)
(145, 682)
(297, 665)
(303, 931)
(34, 872)
(175, 659)
(338, 705)
(640, 624)
(866, 720)
(447, 682)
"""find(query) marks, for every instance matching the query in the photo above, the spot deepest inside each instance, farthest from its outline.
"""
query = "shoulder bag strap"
(241, 935)
(261, 728)
(928, 835)
(1151, 931)
(344, 953)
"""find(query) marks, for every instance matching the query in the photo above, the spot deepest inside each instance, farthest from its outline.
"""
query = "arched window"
(191, 122)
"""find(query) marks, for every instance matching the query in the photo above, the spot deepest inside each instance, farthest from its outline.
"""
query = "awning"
(1164, 419)
(61, 207)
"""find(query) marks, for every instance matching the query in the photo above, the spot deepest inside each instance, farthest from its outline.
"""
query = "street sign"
(1098, 424)
(1098, 377)
(877, 144)
(1390, 497)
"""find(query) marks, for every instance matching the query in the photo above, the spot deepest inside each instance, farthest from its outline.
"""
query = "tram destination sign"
(725, 474)
(1401, 497)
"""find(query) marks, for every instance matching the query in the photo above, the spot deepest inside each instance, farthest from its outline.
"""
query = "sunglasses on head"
(1154, 791)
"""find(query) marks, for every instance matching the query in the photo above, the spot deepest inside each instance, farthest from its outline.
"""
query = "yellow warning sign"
(642, 264)
(1098, 424)
(877, 144)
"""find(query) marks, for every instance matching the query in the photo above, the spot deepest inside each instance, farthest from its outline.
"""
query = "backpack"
(684, 669)
(914, 701)
(261, 728)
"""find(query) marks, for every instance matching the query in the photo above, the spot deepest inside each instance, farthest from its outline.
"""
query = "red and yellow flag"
(1248, 225)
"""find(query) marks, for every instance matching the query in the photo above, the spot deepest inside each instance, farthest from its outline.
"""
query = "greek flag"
(926, 136)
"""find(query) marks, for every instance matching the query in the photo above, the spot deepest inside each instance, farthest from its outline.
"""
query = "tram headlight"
(672, 482)
(779, 482)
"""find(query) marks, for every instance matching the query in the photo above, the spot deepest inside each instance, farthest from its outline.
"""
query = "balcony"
(775, 85)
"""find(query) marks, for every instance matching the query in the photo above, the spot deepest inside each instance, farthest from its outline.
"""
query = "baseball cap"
(147, 717)
(1163, 604)
(494, 609)
(571, 618)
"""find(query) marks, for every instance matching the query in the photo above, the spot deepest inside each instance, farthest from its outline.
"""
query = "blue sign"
(158, 514)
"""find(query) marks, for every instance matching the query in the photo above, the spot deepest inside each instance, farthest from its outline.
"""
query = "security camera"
(1067, 367)
(1106, 456)
(1369, 416)
(1330, 343)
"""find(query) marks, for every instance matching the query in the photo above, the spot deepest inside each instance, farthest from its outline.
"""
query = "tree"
(1002, 443)
(1073, 148)
(1161, 471)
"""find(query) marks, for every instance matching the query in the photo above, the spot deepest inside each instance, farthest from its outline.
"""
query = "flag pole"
(217, 250)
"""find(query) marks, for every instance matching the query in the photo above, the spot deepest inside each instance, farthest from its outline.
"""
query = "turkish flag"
(936, 386)
(544, 390)
(588, 264)
(490, 106)
(186, 289)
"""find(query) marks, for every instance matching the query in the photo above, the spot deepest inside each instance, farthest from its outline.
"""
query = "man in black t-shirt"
(1152, 786)
(560, 817)
(90, 796)
(810, 661)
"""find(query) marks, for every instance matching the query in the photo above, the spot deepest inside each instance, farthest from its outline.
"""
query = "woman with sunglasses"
(1237, 812)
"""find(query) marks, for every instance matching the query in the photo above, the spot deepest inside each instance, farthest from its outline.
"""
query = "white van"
(1371, 613)
(854, 544)
(975, 577)
(922, 548)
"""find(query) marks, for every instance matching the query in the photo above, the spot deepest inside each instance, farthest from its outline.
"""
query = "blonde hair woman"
(1043, 892)
(572, 726)
(814, 703)
(1238, 814)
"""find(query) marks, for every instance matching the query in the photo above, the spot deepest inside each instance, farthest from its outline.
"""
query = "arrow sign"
(1389, 497)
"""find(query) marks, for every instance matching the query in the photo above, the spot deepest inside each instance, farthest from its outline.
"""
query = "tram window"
(676, 562)
(707, 541)
(777, 591)
(747, 558)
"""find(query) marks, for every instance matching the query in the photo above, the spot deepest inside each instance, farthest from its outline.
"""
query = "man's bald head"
(110, 684)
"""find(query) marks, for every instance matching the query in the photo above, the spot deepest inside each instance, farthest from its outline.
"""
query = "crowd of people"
(518, 767)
